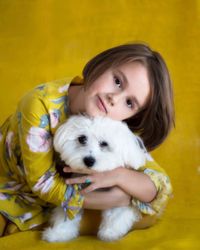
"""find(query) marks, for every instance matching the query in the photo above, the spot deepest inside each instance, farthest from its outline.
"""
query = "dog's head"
(99, 143)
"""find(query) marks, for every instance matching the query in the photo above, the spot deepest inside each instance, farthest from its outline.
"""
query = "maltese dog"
(100, 144)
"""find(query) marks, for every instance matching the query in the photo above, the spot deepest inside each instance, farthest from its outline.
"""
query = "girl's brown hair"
(154, 121)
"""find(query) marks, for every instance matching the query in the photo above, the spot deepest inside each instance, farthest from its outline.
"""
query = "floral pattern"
(63, 88)
(39, 140)
(54, 117)
(45, 182)
(9, 138)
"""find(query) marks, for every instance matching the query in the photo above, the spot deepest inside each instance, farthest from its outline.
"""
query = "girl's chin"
(94, 113)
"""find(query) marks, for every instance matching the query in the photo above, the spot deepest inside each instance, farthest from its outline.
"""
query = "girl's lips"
(100, 105)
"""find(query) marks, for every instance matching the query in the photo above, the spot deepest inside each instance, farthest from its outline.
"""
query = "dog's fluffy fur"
(101, 144)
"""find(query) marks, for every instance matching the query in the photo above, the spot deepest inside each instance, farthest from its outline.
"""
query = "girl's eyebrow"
(126, 81)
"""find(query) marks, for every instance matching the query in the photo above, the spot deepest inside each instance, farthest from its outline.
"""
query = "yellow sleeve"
(36, 145)
(162, 183)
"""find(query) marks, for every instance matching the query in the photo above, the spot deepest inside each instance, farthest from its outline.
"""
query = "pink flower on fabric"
(39, 140)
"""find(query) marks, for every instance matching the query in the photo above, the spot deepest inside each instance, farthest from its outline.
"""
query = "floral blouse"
(30, 186)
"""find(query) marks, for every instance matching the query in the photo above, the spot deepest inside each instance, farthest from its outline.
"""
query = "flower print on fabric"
(11, 185)
(145, 208)
(44, 121)
(28, 198)
(34, 225)
(4, 196)
(59, 100)
(65, 101)
(163, 181)
(39, 140)
(54, 117)
(45, 182)
(73, 201)
(40, 87)
(25, 217)
(63, 88)
(8, 144)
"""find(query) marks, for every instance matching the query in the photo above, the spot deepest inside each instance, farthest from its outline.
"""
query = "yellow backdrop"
(42, 40)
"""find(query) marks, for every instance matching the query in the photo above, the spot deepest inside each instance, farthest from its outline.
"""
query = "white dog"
(101, 144)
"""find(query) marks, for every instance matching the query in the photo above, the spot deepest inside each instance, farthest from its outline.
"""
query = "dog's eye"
(82, 139)
(103, 144)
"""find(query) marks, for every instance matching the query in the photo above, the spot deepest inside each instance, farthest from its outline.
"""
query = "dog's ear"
(140, 143)
(61, 135)
(135, 154)
(65, 132)
(69, 130)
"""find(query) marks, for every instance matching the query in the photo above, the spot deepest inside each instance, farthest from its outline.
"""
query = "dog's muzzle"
(89, 161)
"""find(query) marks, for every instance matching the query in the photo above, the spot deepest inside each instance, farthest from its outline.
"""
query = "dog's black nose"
(89, 161)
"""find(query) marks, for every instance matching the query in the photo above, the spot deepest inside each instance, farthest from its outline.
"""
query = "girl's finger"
(80, 180)
(88, 189)
(67, 169)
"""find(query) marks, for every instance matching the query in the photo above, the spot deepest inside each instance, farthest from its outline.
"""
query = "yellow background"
(43, 40)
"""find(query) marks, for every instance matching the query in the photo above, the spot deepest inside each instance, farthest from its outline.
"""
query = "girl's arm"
(150, 189)
(101, 200)
(137, 184)
(34, 127)
(134, 183)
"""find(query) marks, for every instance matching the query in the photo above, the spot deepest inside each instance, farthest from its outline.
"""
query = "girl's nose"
(113, 98)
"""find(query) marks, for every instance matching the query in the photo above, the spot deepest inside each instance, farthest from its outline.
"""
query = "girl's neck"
(75, 93)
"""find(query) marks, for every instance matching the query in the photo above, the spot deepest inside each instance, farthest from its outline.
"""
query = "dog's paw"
(108, 234)
(52, 235)
(49, 235)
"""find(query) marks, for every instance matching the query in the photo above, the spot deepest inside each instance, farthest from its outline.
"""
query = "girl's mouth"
(101, 105)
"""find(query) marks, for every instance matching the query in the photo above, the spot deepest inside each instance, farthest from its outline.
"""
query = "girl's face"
(118, 93)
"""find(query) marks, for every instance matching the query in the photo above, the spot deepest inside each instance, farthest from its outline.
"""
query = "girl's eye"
(129, 103)
(117, 81)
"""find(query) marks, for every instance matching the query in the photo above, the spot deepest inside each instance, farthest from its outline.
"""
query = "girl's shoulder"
(54, 89)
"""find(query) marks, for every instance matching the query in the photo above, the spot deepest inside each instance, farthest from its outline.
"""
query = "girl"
(129, 82)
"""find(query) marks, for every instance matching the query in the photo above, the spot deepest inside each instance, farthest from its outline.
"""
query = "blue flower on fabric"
(70, 192)
(59, 100)
(44, 121)
(41, 87)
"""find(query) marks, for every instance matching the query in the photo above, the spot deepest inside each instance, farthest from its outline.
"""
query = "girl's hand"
(97, 179)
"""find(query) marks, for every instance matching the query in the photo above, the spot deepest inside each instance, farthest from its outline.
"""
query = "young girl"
(129, 82)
